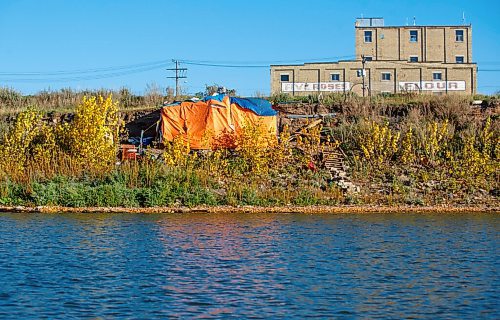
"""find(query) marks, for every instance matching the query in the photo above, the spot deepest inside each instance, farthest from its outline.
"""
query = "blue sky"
(50, 36)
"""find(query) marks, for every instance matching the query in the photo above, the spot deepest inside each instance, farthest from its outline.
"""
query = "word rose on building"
(314, 86)
(390, 59)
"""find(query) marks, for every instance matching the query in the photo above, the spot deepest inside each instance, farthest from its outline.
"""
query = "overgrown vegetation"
(33, 149)
(65, 100)
(425, 151)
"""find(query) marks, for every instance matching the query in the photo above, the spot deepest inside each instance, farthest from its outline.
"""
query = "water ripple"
(249, 266)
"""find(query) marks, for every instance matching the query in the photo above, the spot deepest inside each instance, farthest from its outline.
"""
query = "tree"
(215, 88)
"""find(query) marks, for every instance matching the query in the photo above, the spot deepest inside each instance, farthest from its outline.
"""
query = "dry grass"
(450, 158)
(65, 100)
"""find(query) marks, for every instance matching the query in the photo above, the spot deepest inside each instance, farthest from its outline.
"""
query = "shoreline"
(257, 209)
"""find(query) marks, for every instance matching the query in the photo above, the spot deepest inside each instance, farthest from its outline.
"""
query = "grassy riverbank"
(429, 151)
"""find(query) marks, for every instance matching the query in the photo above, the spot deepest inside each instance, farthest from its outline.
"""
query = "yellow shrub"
(280, 152)
(252, 145)
(378, 142)
(177, 152)
(478, 158)
(433, 142)
(309, 141)
(91, 138)
(489, 140)
(472, 162)
(15, 149)
(407, 149)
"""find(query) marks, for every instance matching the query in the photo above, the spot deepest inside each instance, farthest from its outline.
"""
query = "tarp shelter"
(198, 122)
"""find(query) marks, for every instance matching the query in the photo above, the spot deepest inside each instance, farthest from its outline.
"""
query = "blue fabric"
(259, 106)
(218, 97)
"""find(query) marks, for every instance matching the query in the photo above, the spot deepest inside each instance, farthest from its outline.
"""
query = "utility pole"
(363, 72)
(180, 73)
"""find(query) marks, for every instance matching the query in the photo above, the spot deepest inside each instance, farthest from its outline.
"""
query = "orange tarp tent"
(198, 122)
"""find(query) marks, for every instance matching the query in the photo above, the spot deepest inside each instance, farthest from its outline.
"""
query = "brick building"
(390, 59)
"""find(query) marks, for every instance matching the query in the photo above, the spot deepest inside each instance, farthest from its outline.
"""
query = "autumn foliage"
(414, 159)
(32, 148)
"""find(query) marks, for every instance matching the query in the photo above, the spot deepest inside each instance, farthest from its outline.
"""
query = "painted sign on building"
(432, 86)
(315, 86)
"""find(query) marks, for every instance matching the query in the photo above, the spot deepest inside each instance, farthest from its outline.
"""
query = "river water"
(115, 266)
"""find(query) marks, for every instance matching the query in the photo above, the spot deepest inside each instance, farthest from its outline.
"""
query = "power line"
(123, 70)
(89, 77)
(83, 71)
(226, 65)
(247, 62)
(158, 63)
(161, 63)
(180, 73)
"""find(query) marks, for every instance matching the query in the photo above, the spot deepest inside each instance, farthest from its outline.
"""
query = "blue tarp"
(218, 97)
(261, 107)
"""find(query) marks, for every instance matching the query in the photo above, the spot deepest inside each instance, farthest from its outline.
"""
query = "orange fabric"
(199, 122)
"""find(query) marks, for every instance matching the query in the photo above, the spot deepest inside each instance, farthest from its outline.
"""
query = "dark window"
(414, 59)
(368, 36)
(368, 58)
(335, 77)
(386, 76)
(459, 35)
(285, 77)
(436, 76)
(459, 59)
(413, 35)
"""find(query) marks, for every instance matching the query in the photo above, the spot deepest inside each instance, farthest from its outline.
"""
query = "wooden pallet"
(333, 159)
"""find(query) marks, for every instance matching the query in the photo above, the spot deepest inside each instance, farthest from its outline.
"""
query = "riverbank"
(257, 209)
(430, 151)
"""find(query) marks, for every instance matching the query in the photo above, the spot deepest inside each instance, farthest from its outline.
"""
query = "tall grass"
(431, 150)
(66, 99)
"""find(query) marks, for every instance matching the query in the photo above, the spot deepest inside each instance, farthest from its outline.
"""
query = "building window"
(459, 35)
(285, 77)
(368, 58)
(459, 59)
(335, 76)
(413, 36)
(386, 76)
(413, 59)
(368, 36)
(437, 76)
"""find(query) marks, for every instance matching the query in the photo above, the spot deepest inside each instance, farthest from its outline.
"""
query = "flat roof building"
(390, 59)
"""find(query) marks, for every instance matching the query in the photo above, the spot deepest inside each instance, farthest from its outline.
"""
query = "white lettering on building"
(432, 86)
(315, 86)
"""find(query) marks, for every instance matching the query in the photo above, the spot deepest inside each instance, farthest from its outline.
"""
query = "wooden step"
(333, 160)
